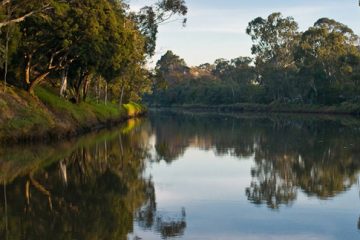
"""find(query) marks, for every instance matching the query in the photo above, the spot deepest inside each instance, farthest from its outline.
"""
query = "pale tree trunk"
(27, 192)
(63, 171)
(121, 95)
(96, 93)
(99, 92)
(86, 85)
(36, 81)
(106, 89)
(64, 79)
(106, 152)
(42, 190)
(6, 53)
(27, 68)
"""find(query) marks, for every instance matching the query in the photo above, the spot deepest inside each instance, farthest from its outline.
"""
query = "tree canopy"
(83, 47)
(318, 66)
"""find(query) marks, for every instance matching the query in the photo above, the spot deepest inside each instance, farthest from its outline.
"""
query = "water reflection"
(85, 189)
(320, 156)
(97, 186)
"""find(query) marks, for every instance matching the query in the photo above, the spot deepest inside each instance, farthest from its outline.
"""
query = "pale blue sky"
(216, 28)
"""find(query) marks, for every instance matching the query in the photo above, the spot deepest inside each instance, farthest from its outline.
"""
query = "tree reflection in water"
(319, 156)
(95, 187)
(93, 192)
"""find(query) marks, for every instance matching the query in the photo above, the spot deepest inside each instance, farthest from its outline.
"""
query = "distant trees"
(225, 81)
(320, 66)
(172, 67)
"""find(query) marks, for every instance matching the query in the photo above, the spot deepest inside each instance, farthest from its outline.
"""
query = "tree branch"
(22, 18)
(4, 2)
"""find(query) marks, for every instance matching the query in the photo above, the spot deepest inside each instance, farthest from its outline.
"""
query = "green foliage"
(134, 109)
(79, 112)
(83, 43)
(149, 18)
(318, 66)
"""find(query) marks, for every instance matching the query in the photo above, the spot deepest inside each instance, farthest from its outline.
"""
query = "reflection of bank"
(358, 183)
(317, 155)
(6, 213)
(88, 188)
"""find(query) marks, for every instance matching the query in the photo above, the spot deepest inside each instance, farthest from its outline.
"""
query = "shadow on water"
(88, 188)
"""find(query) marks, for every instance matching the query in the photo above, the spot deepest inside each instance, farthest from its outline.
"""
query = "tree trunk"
(87, 81)
(36, 81)
(6, 56)
(77, 86)
(64, 79)
(99, 91)
(106, 96)
(121, 95)
(27, 68)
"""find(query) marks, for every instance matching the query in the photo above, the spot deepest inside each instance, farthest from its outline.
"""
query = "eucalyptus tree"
(87, 40)
(327, 57)
(82, 39)
(16, 11)
(150, 17)
(274, 40)
(172, 67)
(11, 13)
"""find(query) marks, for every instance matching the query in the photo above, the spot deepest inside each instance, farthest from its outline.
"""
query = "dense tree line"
(82, 47)
(318, 66)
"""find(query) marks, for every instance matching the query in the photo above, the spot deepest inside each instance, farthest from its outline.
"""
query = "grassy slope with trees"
(68, 65)
(49, 116)
(313, 71)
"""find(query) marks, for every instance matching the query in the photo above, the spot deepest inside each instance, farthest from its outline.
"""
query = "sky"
(216, 28)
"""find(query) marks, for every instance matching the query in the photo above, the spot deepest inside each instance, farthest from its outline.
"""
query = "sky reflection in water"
(187, 176)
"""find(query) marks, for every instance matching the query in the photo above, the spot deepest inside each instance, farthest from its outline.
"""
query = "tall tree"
(327, 56)
(172, 67)
(274, 40)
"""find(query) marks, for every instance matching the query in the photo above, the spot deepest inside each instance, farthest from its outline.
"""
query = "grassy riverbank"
(344, 108)
(47, 116)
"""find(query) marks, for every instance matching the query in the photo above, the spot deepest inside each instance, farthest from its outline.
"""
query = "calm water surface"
(188, 176)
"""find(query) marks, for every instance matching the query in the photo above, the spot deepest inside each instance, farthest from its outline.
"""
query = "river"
(188, 175)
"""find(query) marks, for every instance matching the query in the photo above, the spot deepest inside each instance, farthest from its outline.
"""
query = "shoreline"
(49, 118)
(344, 109)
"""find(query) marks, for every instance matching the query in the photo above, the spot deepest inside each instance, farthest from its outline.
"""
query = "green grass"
(133, 109)
(83, 112)
(60, 106)
(24, 116)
